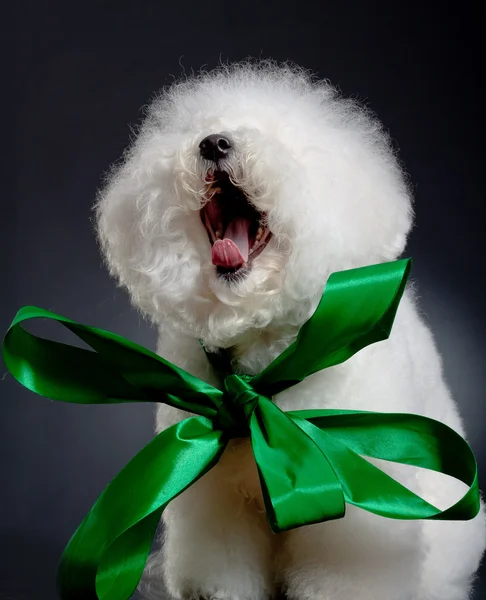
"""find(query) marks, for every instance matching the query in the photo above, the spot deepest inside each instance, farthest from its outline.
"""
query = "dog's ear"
(114, 217)
(374, 195)
(122, 220)
(400, 224)
(144, 232)
(398, 246)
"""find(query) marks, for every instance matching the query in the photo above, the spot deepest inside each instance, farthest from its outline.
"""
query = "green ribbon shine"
(309, 462)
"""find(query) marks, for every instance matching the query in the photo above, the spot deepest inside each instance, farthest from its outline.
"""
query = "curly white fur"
(324, 171)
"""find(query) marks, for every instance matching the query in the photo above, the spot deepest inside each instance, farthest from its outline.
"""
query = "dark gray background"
(81, 76)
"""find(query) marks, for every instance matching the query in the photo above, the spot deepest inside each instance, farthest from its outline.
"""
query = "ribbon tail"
(105, 558)
(299, 485)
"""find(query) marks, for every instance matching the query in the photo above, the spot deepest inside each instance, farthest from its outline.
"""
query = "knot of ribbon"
(239, 401)
(311, 462)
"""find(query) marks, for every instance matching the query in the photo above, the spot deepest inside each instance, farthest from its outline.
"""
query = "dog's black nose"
(214, 147)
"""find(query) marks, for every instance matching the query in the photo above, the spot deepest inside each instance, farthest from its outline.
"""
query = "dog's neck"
(252, 352)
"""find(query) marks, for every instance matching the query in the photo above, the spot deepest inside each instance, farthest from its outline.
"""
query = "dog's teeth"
(259, 234)
(219, 233)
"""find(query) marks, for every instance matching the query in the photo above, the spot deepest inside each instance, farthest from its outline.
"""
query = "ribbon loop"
(357, 309)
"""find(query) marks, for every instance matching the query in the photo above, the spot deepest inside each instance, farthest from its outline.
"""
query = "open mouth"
(238, 232)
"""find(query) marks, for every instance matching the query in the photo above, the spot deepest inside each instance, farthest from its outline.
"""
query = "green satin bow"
(309, 461)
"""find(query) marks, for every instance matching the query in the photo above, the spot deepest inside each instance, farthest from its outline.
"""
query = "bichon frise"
(244, 190)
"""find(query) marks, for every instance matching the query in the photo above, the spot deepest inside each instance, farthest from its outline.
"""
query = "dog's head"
(245, 188)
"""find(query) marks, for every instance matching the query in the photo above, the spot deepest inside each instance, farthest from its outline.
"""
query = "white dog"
(244, 190)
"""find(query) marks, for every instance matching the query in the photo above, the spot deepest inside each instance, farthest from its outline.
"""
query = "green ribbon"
(310, 462)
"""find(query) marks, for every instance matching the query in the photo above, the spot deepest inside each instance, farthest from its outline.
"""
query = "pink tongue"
(232, 251)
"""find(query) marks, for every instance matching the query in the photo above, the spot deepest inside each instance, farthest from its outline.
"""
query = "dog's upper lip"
(237, 230)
